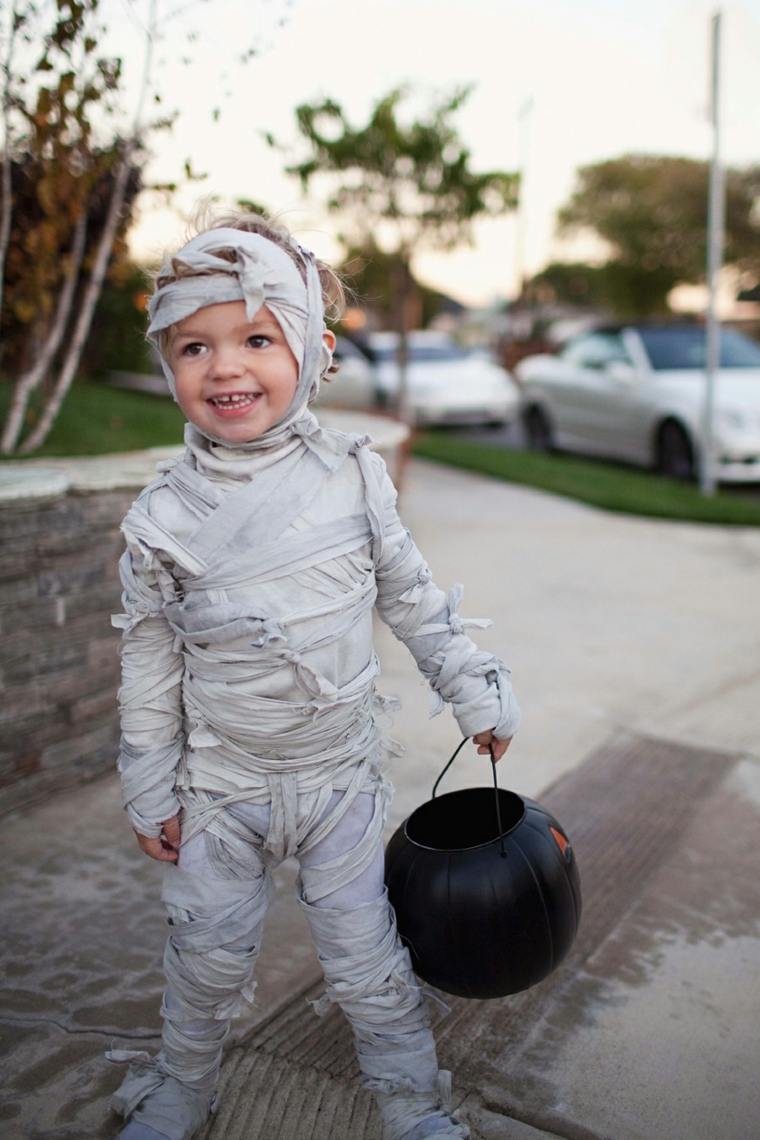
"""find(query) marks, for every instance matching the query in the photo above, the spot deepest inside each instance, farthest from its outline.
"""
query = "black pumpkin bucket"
(485, 888)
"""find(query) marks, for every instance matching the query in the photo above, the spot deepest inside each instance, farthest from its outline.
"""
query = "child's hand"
(165, 846)
(486, 740)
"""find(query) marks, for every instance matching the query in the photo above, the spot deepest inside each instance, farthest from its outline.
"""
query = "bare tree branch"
(6, 209)
(30, 380)
(82, 327)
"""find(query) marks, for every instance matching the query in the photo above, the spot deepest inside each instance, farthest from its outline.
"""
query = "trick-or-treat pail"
(486, 891)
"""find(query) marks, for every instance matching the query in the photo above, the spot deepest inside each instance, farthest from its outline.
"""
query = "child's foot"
(418, 1115)
(159, 1107)
(136, 1131)
(438, 1127)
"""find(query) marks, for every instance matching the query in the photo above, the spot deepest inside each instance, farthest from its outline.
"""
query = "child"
(248, 702)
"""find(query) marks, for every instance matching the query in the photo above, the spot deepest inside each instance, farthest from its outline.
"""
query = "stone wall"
(58, 654)
(59, 665)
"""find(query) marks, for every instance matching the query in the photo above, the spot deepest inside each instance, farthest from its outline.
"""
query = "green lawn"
(605, 485)
(96, 419)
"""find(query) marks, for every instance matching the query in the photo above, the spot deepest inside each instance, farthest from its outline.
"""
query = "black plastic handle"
(457, 750)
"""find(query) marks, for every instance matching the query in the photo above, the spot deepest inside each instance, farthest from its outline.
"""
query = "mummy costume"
(248, 703)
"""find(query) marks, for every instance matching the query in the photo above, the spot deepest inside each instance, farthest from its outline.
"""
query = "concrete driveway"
(634, 647)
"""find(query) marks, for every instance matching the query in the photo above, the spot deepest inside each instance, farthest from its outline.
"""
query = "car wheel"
(538, 429)
(675, 454)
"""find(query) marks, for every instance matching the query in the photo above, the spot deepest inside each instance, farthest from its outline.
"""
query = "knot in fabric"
(267, 631)
(310, 680)
(459, 624)
(253, 275)
(415, 591)
(359, 441)
(307, 428)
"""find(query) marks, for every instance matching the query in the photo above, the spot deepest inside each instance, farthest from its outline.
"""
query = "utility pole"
(523, 126)
(716, 211)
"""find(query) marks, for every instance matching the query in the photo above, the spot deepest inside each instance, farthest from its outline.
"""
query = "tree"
(71, 165)
(651, 210)
(405, 182)
(66, 197)
(372, 274)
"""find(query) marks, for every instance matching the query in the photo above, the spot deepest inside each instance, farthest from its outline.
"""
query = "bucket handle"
(457, 750)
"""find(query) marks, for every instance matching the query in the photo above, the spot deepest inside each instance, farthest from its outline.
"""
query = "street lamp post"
(523, 123)
(715, 236)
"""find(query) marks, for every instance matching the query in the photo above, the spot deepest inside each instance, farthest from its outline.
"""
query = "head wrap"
(262, 273)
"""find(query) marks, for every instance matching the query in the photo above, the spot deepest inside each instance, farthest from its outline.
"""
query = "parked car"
(353, 385)
(636, 392)
(447, 384)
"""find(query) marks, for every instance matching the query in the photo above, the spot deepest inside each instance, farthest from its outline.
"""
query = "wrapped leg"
(368, 972)
(217, 899)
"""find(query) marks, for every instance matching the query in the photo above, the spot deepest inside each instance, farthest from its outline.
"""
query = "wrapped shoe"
(409, 1115)
(150, 1097)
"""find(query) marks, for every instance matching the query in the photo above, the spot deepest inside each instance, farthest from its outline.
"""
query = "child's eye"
(258, 340)
(194, 348)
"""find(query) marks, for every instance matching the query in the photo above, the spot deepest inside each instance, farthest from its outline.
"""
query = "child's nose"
(226, 363)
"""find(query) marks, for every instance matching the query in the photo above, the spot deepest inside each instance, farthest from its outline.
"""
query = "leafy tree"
(571, 282)
(652, 212)
(66, 198)
(71, 164)
(406, 182)
(372, 274)
(120, 343)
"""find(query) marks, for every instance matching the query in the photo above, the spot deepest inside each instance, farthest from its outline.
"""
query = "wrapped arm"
(476, 684)
(150, 697)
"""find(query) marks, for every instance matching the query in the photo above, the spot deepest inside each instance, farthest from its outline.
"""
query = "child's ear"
(328, 339)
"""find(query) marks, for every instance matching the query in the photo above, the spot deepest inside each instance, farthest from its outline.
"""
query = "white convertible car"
(636, 393)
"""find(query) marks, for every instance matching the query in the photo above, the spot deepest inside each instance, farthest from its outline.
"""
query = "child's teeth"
(236, 399)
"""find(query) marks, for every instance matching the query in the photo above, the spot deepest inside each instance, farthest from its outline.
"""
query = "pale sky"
(605, 77)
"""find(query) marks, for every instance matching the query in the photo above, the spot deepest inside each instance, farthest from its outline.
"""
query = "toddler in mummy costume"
(248, 705)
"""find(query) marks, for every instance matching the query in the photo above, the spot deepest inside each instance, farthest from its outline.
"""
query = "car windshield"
(422, 353)
(673, 348)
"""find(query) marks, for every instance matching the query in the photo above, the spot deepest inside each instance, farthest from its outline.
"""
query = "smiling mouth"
(234, 401)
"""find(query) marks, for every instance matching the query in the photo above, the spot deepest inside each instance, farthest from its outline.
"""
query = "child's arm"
(476, 684)
(150, 704)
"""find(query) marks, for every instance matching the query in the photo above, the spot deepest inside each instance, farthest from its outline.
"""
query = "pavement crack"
(76, 1031)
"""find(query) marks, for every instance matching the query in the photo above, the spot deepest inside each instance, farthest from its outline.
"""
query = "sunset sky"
(605, 77)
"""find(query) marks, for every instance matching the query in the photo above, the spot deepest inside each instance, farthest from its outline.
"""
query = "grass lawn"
(614, 488)
(96, 419)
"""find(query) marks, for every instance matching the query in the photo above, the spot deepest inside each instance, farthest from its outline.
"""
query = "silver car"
(636, 393)
(447, 384)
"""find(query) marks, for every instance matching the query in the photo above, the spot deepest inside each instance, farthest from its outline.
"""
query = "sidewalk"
(634, 646)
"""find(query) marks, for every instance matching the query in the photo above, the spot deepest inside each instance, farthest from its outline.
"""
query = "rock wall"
(59, 660)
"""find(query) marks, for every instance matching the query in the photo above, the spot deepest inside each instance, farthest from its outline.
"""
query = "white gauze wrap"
(248, 702)
(261, 274)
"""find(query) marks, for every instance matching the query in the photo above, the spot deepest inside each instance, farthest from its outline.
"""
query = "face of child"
(235, 378)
